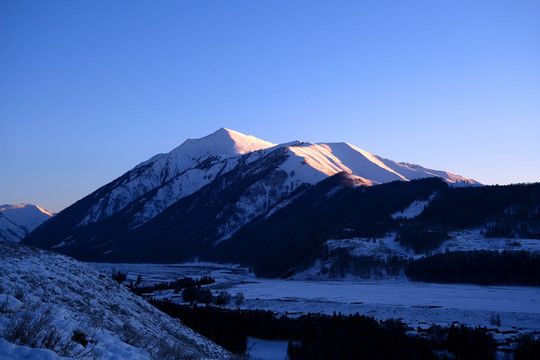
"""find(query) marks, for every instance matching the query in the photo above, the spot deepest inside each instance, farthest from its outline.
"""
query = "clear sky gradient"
(89, 89)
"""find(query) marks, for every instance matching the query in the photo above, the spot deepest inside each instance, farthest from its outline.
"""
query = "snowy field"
(417, 304)
(463, 240)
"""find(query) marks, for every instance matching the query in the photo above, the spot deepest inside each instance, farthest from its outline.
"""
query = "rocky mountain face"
(196, 199)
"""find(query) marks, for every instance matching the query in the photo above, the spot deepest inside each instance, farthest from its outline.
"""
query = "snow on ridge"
(28, 207)
(123, 325)
(319, 157)
(28, 216)
(414, 209)
(363, 163)
(414, 171)
(18, 220)
(223, 142)
(327, 159)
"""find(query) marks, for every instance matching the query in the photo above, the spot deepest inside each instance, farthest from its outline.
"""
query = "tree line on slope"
(481, 267)
(293, 237)
(505, 211)
(176, 285)
(478, 267)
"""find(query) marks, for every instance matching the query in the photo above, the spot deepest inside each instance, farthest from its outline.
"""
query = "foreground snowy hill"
(18, 220)
(54, 302)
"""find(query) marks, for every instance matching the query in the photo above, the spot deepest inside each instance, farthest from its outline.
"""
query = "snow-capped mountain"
(73, 311)
(201, 193)
(18, 220)
(166, 178)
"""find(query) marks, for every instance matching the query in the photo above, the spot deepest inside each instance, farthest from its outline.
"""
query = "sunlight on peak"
(24, 206)
(245, 143)
(320, 157)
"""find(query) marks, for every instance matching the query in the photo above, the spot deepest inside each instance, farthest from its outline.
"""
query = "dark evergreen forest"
(478, 267)
(316, 336)
(292, 238)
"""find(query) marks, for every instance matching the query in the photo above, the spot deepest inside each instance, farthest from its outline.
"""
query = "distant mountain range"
(18, 220)
(216, 196)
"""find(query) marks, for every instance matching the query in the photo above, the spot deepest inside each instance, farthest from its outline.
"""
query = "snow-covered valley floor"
(417, 304)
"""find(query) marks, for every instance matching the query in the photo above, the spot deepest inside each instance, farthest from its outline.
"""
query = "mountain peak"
(20, 208)
(17, 220)
(224, 142)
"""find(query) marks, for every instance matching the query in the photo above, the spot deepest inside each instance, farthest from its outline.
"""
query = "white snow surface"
(78, 296)
(381, 248)
(9, 231)
(412, 211)
(18, 220)
(462, 240)
(413, 302)
(10, 351)
(473, 239)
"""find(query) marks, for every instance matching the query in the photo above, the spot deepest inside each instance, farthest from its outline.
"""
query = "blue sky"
(89, 89)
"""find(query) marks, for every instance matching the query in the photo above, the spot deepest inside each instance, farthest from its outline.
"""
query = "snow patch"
(411, 211)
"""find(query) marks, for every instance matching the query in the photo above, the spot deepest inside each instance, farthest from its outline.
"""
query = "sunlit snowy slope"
(18, 220)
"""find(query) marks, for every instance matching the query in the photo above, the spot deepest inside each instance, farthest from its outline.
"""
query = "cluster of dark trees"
(462, 341)
(197, 295)
(228, 328)
(194, 294)
(483, 267)
(367, 267)
(118, 276)
(506, 211)
(527, 349)
(419, 239)
(331, 337)
(478, 267)
(360, 337)
(177, 285)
